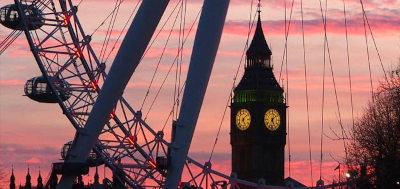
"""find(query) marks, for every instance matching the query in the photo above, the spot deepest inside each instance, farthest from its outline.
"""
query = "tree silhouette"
(3, 177)
(375, 137)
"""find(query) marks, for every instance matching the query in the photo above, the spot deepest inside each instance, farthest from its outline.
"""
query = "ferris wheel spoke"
(45, 4)
(139, 165)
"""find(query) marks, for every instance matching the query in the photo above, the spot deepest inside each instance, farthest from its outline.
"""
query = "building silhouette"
(12, 179)
(52, 182)
(28, 184)
(258, 117)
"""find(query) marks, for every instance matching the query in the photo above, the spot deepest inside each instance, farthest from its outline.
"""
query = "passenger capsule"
(10, 18)
(92, 160)
(38, 90)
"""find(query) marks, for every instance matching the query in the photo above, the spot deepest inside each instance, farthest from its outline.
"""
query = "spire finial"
(259, 7)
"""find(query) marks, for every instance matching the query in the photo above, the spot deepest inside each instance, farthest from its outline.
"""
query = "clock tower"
(258, 118)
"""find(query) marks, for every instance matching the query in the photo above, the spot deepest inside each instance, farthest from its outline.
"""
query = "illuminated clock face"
(272, 119)
(243, 119)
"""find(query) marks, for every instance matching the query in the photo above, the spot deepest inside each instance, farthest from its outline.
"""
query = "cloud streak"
(380, 26)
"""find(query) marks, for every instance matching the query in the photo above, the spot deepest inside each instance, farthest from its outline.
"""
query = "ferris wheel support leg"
(205, 48)
(125, 63)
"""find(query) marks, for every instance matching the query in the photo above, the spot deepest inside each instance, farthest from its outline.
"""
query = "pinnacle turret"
(258, 54)
(39, 181)
(28, 184)
(12, 179)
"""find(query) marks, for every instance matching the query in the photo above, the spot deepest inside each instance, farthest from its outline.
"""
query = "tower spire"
(258, 54)
(96, 177)
(39, 181)
(28, 184)
(12, 178)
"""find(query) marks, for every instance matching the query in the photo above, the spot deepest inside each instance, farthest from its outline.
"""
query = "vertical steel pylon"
(205, 48)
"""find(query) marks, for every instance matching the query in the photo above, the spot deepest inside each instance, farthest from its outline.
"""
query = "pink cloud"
(379, 25)
(33, 160)
(13, 82)
(184, 68)
(19, 67)
(389, 2)
(143, 84)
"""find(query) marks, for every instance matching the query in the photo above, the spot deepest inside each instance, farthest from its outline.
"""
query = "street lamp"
(351, 175)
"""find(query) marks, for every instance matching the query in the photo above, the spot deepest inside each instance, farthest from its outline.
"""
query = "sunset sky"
(32, 133)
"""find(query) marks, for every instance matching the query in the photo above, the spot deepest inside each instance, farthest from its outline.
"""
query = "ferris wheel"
(73, 77)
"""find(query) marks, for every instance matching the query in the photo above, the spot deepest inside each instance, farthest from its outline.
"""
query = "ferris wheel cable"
(288, 138)
(287, 78)
(104, 20)
(109, 31)
(286, 38)
(112, 23)
(123, 29)
(250, 21)
(172, 110)
(368, 58)
(80, 2)
(181, 45)
(9, 40)
(373, 39)
(148, 48)
(159, 62)
(366, 22)
(251, 24)
(324, 18)
(307, 99)
(175, 60)
(348, 62)
(285, 58)
(179, 61)
(160, 30)
(323, 86)
(326, 46)
(10, 36)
